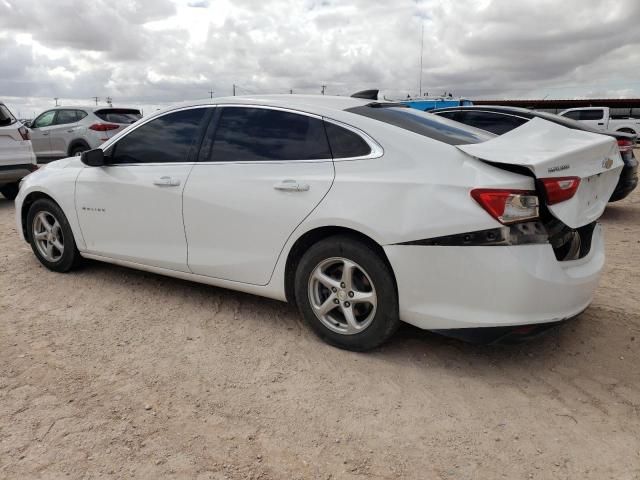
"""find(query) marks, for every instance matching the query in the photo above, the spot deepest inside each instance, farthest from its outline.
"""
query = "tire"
(374, 318)
(77, 151)
(57, 232)
(10, 191)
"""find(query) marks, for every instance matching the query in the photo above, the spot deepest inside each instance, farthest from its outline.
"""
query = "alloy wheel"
(48, 237)
(342, 295)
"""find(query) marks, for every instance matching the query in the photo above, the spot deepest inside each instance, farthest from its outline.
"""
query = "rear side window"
(574, 115)
(422, 123)
(118, 115)
(167, 139)
(262, 134)
(345, 143)
(6, 118)
(450, 115)
(491, 122)
(66, 116)
(591, 114)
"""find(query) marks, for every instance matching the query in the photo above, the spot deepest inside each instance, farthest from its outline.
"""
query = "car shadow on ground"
(620, 213)
(408, 345)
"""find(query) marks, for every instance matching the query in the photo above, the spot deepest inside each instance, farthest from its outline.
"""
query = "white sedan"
(362, 213)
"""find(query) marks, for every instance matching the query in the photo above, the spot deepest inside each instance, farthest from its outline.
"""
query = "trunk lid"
(549, 150)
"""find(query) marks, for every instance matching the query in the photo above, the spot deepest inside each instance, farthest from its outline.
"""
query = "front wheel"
(347, 294)
(51, 237)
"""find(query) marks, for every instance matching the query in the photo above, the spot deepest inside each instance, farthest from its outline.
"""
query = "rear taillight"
(625, 145)
(24, 133)
(103, 127)
(507, 206)
(560, 189)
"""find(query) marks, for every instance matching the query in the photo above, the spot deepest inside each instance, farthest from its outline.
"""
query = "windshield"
(425, 124)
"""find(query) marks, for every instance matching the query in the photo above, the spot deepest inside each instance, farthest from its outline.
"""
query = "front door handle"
(166, 182)
(291, 186)
(45, 133)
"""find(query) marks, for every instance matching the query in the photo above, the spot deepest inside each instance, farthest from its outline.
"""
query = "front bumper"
(446, 287)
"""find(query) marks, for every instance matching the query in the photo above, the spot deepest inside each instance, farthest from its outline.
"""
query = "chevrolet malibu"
(362, 213)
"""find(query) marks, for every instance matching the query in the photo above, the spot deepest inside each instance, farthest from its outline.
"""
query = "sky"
(151, 53)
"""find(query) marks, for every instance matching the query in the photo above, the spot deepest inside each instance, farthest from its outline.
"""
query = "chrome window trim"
(376, 150)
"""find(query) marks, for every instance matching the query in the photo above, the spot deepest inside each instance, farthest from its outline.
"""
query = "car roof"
(318, 104)
(91, 108)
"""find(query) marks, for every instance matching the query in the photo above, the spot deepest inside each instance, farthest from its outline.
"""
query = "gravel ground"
(109, 372)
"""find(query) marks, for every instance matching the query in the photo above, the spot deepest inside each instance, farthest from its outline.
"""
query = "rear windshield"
(424, 124)
(119, 115)
(6, 118)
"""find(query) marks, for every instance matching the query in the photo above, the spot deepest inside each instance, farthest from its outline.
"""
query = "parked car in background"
(601, 118)
(16, 155)
(499, 120)
(69, 131)
(362, 213)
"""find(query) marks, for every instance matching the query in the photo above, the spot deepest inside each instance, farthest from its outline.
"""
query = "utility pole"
(211, 93)
(56, 99)
(109, 101)
(234, 89)
(421, 57)
(96, 99)
(324, 87)
(291, 91)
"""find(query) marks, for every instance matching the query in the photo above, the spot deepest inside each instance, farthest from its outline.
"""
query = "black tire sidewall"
(386, 319)
(78, 149)
(70, 255)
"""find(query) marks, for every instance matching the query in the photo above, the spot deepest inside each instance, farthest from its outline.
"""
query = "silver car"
(69, 131)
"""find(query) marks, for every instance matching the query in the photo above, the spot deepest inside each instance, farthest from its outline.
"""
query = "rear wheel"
(346, 293)
(77, 151)
(10, 191)
(51, 237)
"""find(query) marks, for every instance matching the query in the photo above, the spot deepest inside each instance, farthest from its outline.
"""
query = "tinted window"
(422, 123)
(118, 115)
(45, 119)
(491, 122)
(449, 115)
(254, 134)
(166, 139)
(80, 114)
(345, 143)
(573, 115)
(5, 116)
(66, 116)
(591, 115)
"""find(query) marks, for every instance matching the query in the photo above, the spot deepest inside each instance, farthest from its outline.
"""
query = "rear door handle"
(166, 182)
(291, 186)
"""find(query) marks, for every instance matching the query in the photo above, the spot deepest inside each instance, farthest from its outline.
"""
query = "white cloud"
(157, 51)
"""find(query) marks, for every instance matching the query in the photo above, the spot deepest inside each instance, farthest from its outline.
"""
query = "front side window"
(574, 115)
(248, 134)
(45, 119)
(345, 143)
(166, 139)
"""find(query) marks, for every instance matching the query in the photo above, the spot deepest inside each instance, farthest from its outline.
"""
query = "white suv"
(69, 131)
(16, 155)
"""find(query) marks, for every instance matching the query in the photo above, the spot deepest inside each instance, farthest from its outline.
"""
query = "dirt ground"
(109, 372)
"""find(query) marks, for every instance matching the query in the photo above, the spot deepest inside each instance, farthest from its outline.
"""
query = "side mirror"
(28, 124)
(93, 158)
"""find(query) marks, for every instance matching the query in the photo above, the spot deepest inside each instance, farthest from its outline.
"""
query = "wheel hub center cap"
(342, 295)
